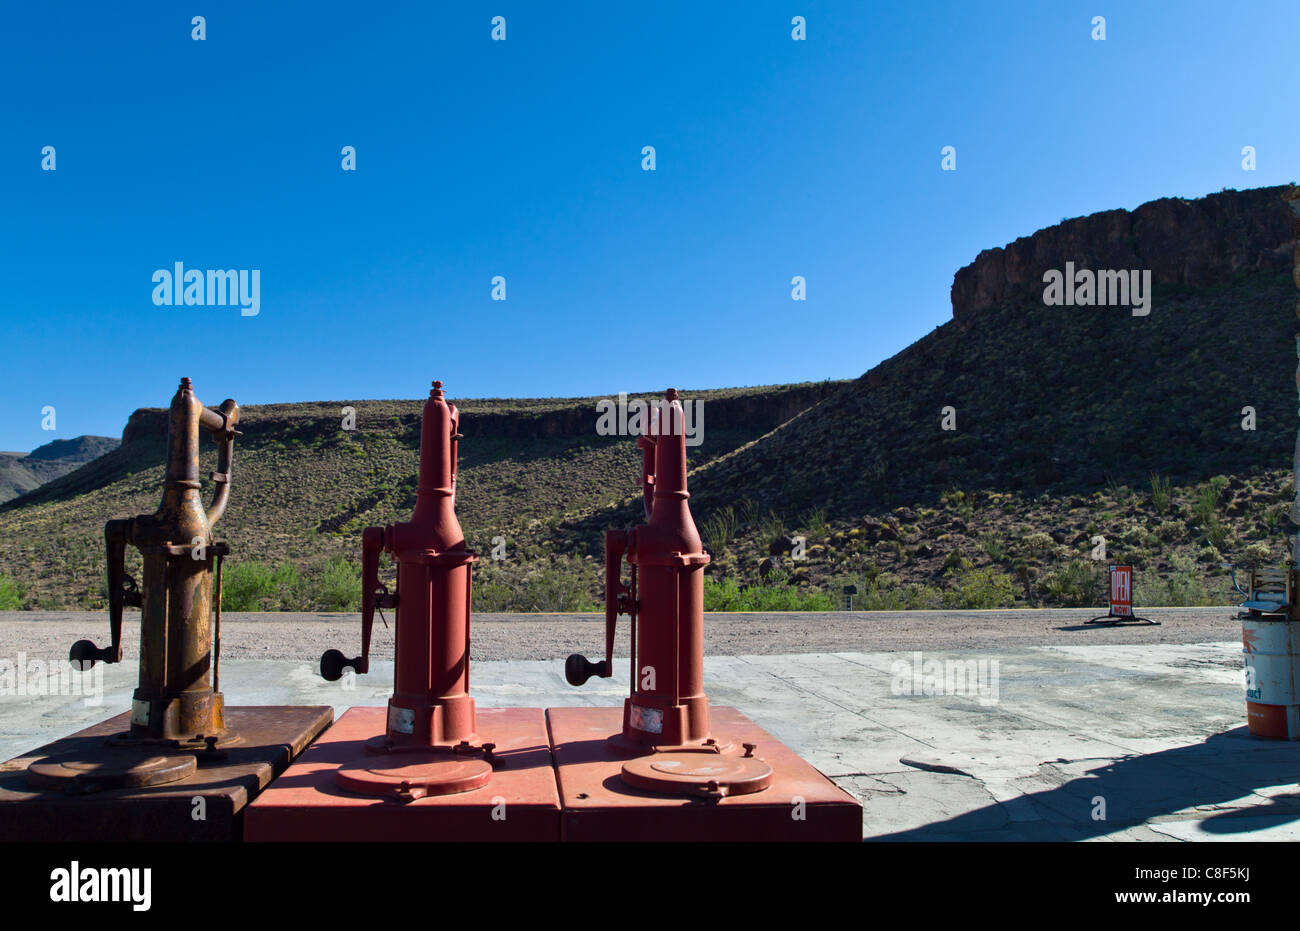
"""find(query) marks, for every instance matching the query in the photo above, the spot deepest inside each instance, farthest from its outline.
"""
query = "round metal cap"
(708, 774)
(410, 776)
(113, 769)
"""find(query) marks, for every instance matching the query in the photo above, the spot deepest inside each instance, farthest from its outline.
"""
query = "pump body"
(667, 712)
(178, 695)
(177, 711)
(431, 708)
(664, 602)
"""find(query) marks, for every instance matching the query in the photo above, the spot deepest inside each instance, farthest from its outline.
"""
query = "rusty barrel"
(1272, 675)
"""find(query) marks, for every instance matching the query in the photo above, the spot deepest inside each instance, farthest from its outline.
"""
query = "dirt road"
(48, 634)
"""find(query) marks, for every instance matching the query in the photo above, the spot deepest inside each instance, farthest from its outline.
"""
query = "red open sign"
(1121, 590)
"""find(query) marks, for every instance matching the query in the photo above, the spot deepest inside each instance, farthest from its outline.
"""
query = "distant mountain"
(23, 472)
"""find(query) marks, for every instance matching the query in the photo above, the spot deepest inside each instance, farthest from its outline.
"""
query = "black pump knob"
(578, 669)
(85, 654)
(333, 662)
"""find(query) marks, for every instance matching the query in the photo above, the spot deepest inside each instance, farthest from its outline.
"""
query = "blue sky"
(522, 158)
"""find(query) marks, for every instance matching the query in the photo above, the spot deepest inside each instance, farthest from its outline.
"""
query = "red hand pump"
(431, 712)
(667, 712)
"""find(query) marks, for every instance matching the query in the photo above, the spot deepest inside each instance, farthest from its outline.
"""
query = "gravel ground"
(48, 634)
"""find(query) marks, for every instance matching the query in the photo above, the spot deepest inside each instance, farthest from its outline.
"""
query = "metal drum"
(1269, 648)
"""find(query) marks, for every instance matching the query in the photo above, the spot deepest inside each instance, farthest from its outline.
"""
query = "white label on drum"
(649, 720)
(401, 720)
(140, 712)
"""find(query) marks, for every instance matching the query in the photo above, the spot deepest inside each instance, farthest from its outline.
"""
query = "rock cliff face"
(759, 410)
(1183, 242)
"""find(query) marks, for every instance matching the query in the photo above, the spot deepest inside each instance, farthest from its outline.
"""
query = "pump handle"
(333, 662)
(122, 591)
(577, 668)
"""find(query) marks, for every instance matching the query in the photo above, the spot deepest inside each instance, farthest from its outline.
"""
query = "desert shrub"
(1182, 587)
(815, 523)
(955, 563)
(1159, 493)
(1170, 530)
(772, 527)
(1039, 544)
(1080, 583)
(326, 585)
(552, 588)
(246, 586)
(12, 594)
(775, 595)
(290, 590)
(564, 585)
(994, 546)
(748, 513)
(882, 591)
(1206, 505)
(492, 595)
(959, 501)
(336, 586)
(1256, 555)
(719, 529)
(1209, 554)
(981, 588)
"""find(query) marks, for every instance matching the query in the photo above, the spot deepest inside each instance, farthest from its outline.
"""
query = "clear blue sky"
(522, 158)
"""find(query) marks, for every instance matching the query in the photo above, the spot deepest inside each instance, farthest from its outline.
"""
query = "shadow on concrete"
(1137, 790)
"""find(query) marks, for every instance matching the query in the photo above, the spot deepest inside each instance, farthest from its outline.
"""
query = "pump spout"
(221, 423)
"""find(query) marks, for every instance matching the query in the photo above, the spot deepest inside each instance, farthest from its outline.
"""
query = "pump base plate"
(414, 774)
(519, 804)
(112, 769)
(206, 805)
(798, 804)
(706, 775)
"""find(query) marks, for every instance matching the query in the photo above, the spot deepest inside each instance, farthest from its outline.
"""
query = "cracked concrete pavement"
(1087, 737)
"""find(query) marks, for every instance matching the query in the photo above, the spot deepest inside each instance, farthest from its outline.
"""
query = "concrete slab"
(1156, 731)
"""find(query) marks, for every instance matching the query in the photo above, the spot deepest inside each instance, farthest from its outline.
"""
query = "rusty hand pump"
(178, 697)
(431, 706)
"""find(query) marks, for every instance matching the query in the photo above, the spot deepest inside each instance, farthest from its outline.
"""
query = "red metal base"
(800, 804)
(519, 803)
